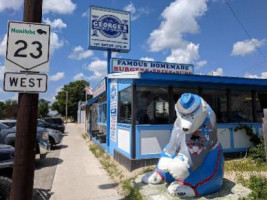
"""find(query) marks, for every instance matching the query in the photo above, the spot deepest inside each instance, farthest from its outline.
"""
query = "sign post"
(18, 55)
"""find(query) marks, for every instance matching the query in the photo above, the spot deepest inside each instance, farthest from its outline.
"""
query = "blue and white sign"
(109, 29)
(113, 109)
(127, 65)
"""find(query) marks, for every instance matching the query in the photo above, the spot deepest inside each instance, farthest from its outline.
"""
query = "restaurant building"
(131, 114)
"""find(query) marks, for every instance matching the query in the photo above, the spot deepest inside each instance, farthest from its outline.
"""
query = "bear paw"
(152, 178)
(177, 189)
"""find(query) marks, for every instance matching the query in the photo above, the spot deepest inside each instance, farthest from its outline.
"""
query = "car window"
(3, 126)
(41, 122)
(54, 120)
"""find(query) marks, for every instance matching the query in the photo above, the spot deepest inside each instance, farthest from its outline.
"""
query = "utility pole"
(66, 110)
(23, 169)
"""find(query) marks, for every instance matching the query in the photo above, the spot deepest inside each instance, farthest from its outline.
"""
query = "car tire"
(5, 187)
(52, 142)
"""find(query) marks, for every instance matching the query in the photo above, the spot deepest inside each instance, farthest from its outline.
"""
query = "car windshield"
(54, 120)
(3, 126)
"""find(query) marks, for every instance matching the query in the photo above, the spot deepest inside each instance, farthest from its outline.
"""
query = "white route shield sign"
(27, 47)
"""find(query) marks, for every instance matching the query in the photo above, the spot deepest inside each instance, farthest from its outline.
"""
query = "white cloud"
(3, 45)
(10, 4)
(136, 13)
(80, 76)
(147, 59)
(185, 54)
(179, 18)
(58, 89)
(263, 75)
(86, 13)
(55, 42)
(58, 6)
(217, 72)
(201, 63)
(57, 76)
(78, 53)
(98, 68)
(56, 23)
(245, 47)
(2, 71)
(114, 54)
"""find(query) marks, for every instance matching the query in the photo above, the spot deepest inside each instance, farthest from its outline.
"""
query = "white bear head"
(191, 111)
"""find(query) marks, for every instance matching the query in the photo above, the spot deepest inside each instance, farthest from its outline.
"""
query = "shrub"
(257, 152)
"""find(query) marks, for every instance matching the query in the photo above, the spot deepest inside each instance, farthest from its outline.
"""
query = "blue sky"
(202, 32)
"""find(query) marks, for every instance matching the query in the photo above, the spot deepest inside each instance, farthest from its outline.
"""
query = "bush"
(257, 152)
(258, 185)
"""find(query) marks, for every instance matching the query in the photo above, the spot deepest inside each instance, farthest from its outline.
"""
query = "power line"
(244, 28)
(250, 68)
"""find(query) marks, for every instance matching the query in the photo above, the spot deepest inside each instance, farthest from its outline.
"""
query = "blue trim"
(138, 138)
(108, 116)
(91, 101)
(101, 145)
(204, 79)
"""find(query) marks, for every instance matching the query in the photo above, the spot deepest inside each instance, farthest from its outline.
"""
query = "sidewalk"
(80, 175)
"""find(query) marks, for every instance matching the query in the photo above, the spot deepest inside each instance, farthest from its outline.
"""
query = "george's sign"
(109, 29)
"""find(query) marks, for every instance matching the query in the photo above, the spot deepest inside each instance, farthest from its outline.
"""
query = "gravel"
(44, 173)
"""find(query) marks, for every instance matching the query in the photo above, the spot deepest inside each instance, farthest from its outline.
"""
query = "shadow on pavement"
(49, 162)
(62, 146)
(226, 189)
(108, 186)
(41, 194)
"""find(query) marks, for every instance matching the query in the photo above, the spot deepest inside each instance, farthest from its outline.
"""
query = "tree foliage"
(75, 92)
(10, 109)
(43, 108)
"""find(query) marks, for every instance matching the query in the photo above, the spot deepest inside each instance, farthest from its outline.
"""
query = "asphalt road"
(45, 172)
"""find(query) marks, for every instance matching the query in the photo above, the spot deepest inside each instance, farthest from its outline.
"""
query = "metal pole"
(66, 111)
(23, 169)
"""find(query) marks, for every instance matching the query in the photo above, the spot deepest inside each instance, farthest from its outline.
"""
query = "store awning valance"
(91, 101)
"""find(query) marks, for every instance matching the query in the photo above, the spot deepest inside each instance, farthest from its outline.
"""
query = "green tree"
(11, 109)
(76, 93)
(43, 108)
(2, 110)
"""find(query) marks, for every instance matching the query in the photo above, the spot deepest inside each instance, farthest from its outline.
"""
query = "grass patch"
(244, 165)
(132, 192)
(257, 184)
(84, 136)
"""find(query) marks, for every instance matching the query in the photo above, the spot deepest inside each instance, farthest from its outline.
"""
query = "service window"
(102, 113)
(241, 106)
(125, 106)
(152, 105)
(217, 99)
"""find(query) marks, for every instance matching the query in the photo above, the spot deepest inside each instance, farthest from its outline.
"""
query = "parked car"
(6, 163)
(55, 120)
(44, 124)
(8, 135)
(9, 122)
(55, 136)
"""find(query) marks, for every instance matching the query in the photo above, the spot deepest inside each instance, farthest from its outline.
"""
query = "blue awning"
(91, 101)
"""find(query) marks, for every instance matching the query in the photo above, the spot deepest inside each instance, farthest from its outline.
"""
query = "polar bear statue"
(192, 162)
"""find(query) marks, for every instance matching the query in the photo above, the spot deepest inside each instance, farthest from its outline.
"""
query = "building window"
(102, 113)
(217, 99)
(260, 101)
(152, 105)
(125, 106)
(241, 106)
